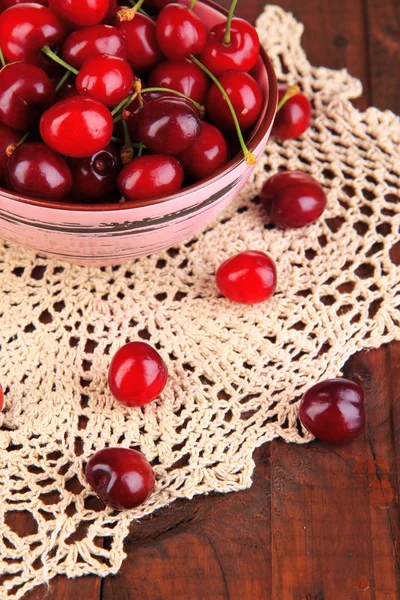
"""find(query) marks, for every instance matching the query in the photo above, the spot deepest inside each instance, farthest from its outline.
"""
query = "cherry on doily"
(137, 374)
(293, 115)
(333, 411)
(122, 478)
(248, 278)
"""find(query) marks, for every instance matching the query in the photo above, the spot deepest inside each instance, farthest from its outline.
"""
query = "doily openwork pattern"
(236, 372)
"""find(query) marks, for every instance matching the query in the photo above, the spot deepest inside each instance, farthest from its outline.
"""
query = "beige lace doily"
(237, 372)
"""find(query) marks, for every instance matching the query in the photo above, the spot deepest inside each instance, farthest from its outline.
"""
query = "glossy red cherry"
(293, 199)
(96, 175)
(333, 411)
(25, 92)
(183, 76)
(241, 53)
(108, 79)
(122, 478)
(137, 374)
(133, 114)
(169, 125)
(81, 13)
(25, 29)
(245, 95)
(77, 127)
(8, 137)
(4, 4)
(143, 50)
(248, 278)
(111, 13)
(35, 170)
(90, 42)
(208, 153)
(150, 177)
(180, 32)
(293, 118)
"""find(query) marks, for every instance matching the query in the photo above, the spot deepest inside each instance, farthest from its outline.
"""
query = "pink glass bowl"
(111, 234)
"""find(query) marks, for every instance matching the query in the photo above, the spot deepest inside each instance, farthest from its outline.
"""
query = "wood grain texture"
(319, 523)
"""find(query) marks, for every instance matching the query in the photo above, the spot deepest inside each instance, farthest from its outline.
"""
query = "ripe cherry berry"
(25, 92)
(182, 76)
(137, 374)
(245, 95)
(35, 170)
(180, 32)
(333, 411)
(208, 153)
(108, 79)
(143, 50)
(294, 116)
(92, 41)
(150, 177)
(293, 199)
(169, 125)
(25, 29)
(122, 478)
(8, 137)
(81, 13)
(77, 127)
(96, 175)
(241, 52)
(248, 278)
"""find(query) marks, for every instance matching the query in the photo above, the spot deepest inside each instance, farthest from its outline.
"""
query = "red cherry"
(92, 41)
(122, 478)
(133, 114)
(248, 278)
(333, 411)
(108, 79)
(25, 29)
(245, 95)
(35, 170)
(96, 175)
(208, 153)
(150, 177)
(183, 76)
(143, 50)
(77, 127)
(137, 374)
(81, 13)
(242, 53)
(111, 14)
(293, 199)
(169, 125)
(25, 92)
(180, 32)
(8, 137)
(4, 4)
(293, 118)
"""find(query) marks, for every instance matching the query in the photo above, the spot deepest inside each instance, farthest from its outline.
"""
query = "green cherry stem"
(2, 59)
(141, 10)
(141, 148)
(199, 107)
(11, 149)
(248, 156)
(227, 38)
(192, 4)
(48, 52)
(63, 80)
(123, 104)
(290, 92)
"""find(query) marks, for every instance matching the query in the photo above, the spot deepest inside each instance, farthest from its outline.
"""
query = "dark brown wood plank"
(216, 547)
(384, 53)
(61, 588)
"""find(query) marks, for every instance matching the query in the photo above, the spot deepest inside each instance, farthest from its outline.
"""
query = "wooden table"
(319, 523)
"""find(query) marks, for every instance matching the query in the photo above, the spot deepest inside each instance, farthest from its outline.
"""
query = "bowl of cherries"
(125, 129)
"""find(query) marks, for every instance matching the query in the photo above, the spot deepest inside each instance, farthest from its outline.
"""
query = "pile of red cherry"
(106, 117)
(78, 121)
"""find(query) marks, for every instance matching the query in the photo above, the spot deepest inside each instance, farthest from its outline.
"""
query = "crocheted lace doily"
(236, 372)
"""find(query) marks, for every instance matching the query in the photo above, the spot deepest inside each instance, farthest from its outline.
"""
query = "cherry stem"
(11, 149)
(227, 38)
(48, 52)
(193, 2)
(141, 148)
(141, 10)
(290, 92)
(2, 59)
(124, 103)
(127, 153)
(63, 80)
(199, 107)
(128, 14)
(249, 157)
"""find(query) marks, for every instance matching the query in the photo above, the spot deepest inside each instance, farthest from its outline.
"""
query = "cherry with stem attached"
(293, 114)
